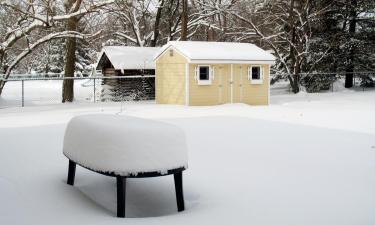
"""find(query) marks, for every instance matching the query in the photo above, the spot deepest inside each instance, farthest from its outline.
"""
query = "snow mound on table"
(124, 145)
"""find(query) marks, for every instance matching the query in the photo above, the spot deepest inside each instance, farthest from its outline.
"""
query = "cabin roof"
(218, 51)
(128, 58)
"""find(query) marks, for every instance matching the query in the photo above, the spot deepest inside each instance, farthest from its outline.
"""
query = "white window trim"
(210, 75)
(250, 77)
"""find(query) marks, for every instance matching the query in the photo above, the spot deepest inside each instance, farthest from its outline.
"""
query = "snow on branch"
(83, 11)
(39, 20)
(31, 47)
(123, 35)
(264, 37)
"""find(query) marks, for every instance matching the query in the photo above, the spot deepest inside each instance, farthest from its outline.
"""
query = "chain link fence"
(320, 82)
(36, 90)
(46, 89)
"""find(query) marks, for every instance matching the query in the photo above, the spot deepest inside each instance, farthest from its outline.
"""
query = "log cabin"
(128, 61)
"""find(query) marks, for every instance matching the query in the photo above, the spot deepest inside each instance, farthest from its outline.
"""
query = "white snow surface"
(220, 51)
(128, 57)
(124, 145)
(304, 159)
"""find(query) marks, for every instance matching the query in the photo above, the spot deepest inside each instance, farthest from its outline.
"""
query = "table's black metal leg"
(121, 195)
(71, 172)
(179, 191)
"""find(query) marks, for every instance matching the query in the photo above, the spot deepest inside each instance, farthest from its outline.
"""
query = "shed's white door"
(239, 74)
(225, 83)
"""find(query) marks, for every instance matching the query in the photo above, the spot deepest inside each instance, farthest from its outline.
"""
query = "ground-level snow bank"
(351, 111)
(242, 171)
(280, 164)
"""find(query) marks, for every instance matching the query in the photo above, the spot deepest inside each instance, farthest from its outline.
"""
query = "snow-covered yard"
(305, 159)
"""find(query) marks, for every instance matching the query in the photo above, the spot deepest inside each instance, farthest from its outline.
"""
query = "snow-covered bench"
(126, 147)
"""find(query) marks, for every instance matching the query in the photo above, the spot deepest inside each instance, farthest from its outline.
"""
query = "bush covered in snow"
(367, 81)
(318, 82)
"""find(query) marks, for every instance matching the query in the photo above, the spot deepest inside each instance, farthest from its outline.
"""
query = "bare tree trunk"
(349, 76)
(294, 68)
(2, 84)
(2, 56)
(210, 33)
(2, 70)
(184, 20)
(70, 55)
(70, 60)
(156, 25)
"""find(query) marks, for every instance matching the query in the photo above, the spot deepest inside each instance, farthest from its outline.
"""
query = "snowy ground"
(305, 159)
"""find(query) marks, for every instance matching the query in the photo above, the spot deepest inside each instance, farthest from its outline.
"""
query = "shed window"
(256, 74)
(204, 75)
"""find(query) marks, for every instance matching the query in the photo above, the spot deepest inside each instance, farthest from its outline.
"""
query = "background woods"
(306, 36)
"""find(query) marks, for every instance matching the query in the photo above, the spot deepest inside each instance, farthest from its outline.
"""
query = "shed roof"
(127, 58)
(218, 51)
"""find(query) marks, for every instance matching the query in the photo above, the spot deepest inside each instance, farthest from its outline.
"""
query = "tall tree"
(133, 20)
(285, 26)
(184, 20)
(32, 25)
(347, 28)
(352, 5)
(71, 6)
(157, 23)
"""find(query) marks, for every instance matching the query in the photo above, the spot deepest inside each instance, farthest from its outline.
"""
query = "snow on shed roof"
(218, 51)
(126, 57)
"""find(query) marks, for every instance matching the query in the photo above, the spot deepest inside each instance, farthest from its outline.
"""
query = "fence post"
(23, 93)
(94, 90)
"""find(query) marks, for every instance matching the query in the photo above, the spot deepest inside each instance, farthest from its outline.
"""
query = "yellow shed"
(212, 73)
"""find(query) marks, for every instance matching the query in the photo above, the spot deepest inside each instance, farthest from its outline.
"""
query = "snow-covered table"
(126, 147)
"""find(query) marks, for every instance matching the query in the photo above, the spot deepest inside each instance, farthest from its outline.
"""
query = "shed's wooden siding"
(244, 91)
(255, 94)
(170, 83)
(216, 93)
(219, 92)
(170, 78)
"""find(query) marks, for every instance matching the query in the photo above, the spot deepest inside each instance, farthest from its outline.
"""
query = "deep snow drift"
(305, 159)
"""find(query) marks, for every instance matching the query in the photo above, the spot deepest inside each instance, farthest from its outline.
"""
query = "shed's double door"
(230, 79)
